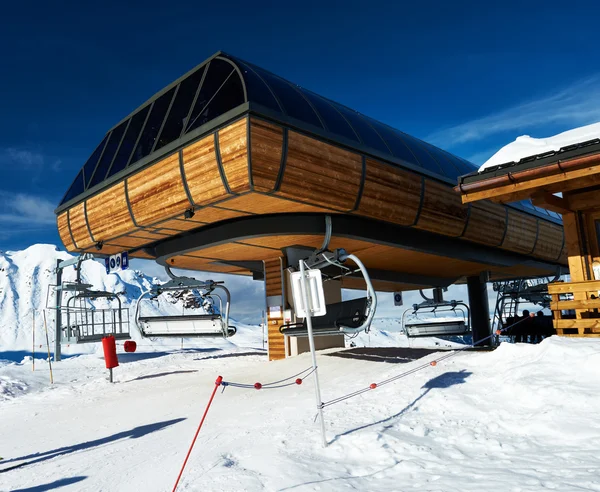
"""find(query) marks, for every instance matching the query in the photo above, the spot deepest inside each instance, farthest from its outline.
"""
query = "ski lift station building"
(233, 169)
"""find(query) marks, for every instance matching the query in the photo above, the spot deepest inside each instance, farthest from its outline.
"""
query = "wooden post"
(274, 295)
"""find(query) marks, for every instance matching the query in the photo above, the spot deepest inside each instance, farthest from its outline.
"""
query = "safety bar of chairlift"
(452, 304)
(370, 293)
(180, 283)
(88, 294)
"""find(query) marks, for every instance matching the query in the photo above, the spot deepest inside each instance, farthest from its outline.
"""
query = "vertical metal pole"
(33, 342)
(111, 374)
(311, 342)
(57, 320)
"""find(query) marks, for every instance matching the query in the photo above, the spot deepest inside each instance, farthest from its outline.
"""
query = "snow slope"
(521, 418)
(525, 146)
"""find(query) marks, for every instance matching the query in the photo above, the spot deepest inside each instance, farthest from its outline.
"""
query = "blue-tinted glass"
(218, 72)
(368, 136)
(292, 101)
(554, 215)
(459, 164)
(334, 121)
(88, 167)
(258, 92)
(180, 109)
(446, 164)
(397, 146)
(229, 96)
(152, 126)
(108, 155)
(131, 135)
(468, 165)
(425, 160)
(75, 189)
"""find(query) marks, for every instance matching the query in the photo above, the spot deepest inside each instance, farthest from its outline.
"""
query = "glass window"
(447, 164)
(468, 165)
(129, 140)
(334, 121)
(366, 133)
(180, 109)
(218, 72)
(397, 146)
(152, 126)
(89, 166)
(258, 92)
(424, 158)
(292, 101)
(75, 189)
(109, 153)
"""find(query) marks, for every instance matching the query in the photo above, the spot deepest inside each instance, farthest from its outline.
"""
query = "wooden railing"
(582, 301)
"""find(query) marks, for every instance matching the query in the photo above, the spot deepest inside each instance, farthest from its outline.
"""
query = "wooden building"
(566, 182)
(231, 169)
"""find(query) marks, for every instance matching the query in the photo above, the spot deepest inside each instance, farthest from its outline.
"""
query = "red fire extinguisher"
(110, 354)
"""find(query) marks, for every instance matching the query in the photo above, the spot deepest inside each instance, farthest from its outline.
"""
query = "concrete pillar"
(480, 309)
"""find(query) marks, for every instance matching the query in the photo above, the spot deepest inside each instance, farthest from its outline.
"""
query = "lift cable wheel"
(207, 325)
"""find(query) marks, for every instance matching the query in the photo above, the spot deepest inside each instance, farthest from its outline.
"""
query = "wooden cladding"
(233, 149)
(266, 147)
(157, 192)
(256, 167)
(320, 173)
(202, 172)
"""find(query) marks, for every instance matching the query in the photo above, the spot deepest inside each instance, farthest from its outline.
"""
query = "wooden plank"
(321, 174)
(390, 194)
(79, 227)
(266, 144)
(486, 225)
(127, 242)
(585, 323)
(157, 192)
(573, 248)
(62, 223)
(575, 304)
(266, 204)
(550, 241)
(442, 210)
(108, 214)
(584, 200)
(180, 225)
(565, 287)
(546, 200)
(521, 232)
(233, 146)
(273, 287)
(202, 172)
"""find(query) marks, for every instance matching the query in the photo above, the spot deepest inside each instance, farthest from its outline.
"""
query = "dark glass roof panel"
(152, 127)
(261, 94)
(330, 116)
(218, 72)
(75, 189)
(108, 155)
(363, 129)
(180, 109)
(424, 158)
(398, 147)
(90, 165)
(136, 122)
(292, 101)
(229, 96)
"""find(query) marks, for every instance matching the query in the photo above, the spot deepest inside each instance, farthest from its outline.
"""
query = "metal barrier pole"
(311, 342)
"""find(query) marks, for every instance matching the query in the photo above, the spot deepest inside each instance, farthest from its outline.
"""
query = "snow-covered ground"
(521, 418)
(525, 146)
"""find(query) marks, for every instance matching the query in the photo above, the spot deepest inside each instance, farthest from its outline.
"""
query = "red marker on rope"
(217, 384)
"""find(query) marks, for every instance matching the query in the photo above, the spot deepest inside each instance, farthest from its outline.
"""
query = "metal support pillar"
(480, 309)
(57, 319)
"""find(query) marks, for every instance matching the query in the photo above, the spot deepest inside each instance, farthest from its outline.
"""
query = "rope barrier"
(373, 386)
(272, 385)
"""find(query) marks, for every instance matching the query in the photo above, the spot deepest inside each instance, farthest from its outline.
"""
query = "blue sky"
(465, 75)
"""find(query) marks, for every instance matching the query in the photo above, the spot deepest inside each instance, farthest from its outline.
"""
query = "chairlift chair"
(346, 317)
(210, 325)
(438, 328)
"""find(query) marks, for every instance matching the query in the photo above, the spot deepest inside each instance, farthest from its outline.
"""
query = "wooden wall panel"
(487, 222)
(274, 288)
(233, 147)
(108, 214)
(127, 242)
(211, 215)
(181, 225)
(62, 222)
(202, 172)
(81, 235)
(320, 173)
(442, 210)
(390, 194)
(254, 203)
(521, 232)
(157, 192)
(266, 144)
(204, 264)
(237, 251)
(550, 241)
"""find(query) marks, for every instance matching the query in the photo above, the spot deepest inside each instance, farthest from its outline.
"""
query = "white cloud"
(28, 160)
(575, 105)
(21, 208)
